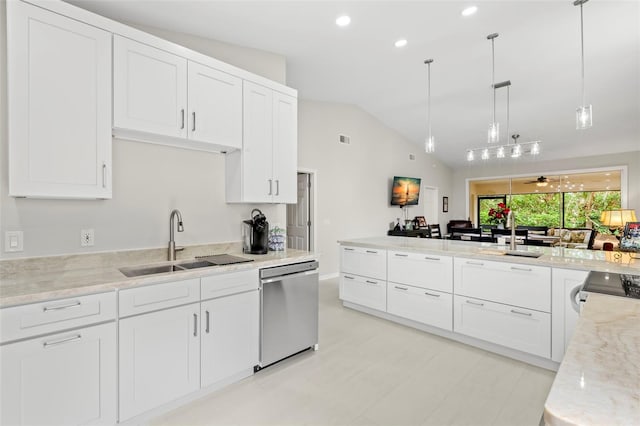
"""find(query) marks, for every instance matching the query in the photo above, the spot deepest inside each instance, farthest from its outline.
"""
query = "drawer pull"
(431, 294)
(372, 282)
(372, 251)
(195, 325)
(61, 341)
(513, 311)
(401, 288)
(402, 255)
(515, 268)
(207, 321)
(349, 278)
(475, 303)
(348, 249)
(57, 308)
(431, 258)
(475, 263)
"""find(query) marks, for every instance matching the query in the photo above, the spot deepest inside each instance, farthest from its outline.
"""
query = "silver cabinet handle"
(475, 303)
(207, 321)
(431, 258)
(349, 278)
(277, 186)
(57, 308)
(58, 342)
(270, 187)
(372, 251)
(474, 263)
(402, 255)
(348, 249)
(401, 288)
(193, 121)
(195, 325)
(182, 119)
(431, 294)
(515, 268)
(104, 174)
(372, 282)
(513, 311)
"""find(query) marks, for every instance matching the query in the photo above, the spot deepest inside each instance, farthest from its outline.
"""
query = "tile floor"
(369, 371)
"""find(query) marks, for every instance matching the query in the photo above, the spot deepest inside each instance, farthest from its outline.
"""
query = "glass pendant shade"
(470, 155)
(500, 152)
(516, 151)
(584, 117)
(485, 154)
(535, 149)
(493, 134)
(430, 145)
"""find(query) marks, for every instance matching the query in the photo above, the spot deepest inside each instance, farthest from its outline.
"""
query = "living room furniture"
(458, 224)
(521, 234)
(534, 230)
(418, 233)
(573, 237)
(434, 230)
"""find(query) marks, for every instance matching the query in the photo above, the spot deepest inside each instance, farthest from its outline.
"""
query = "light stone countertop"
(557, 257)
(40, 279)
(598, 382)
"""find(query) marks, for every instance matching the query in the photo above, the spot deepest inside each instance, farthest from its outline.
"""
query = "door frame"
(313, 208)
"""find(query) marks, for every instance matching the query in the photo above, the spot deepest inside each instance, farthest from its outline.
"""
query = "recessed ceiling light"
(469, 10)
(343, 21)
(401, 43)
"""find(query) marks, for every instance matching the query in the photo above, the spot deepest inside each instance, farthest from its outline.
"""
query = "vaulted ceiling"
(538, 50)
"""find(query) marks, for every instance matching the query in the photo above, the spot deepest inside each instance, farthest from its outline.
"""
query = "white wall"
(507, 168)
(148, 182)
(354, 181)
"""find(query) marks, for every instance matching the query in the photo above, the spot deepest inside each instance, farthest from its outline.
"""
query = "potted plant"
(498, 216)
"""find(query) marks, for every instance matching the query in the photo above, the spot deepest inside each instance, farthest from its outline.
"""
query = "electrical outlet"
(13, 241)
(86, 238)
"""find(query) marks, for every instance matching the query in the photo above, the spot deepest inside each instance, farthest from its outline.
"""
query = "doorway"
(299, 215)
(431, 204)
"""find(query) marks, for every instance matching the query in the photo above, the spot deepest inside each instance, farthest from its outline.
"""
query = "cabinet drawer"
(159, 296)
(510, 283)
(418, 304)
(49, 317)
(514, 327)
(225, 284)
(363, 291)
(421, 270)
(364, 262)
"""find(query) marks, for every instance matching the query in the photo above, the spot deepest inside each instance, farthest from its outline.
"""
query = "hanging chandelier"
(584, 113)
(430, 143)
(493, 134)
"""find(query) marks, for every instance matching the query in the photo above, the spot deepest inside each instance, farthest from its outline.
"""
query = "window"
(536, 209)
(486, 203)
(581, 209)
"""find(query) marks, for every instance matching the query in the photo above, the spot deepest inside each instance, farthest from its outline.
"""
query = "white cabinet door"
(59, 81)
(367, 262)
(421, 270)
(503, 282)
(159, 358)
(230, 335)
(418, 304)
(285, 148)
(215, 106)
(514, 327)
(565, 284)
(66, 378)
(149, 89)
(364, 291)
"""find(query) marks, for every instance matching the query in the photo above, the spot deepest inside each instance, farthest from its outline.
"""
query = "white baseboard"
(329, 276)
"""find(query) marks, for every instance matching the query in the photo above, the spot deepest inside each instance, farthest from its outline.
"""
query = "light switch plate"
(13, 241)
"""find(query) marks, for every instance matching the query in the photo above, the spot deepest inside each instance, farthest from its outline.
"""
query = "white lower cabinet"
(514, 327)
(230, 333)
(421, 270)
(64, 378)
(422, 305)
(159, 358)
(566, 284)
(364, 291)
(366, 262)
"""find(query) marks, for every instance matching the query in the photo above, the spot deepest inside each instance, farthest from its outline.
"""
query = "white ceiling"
(538, 50)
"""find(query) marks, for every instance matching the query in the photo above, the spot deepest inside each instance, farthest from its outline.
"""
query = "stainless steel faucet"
(511, 220)
(172, 243)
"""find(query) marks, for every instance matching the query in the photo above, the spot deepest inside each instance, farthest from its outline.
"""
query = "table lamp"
(616, 219)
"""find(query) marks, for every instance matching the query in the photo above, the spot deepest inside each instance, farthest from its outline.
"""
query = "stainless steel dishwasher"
(289, 311)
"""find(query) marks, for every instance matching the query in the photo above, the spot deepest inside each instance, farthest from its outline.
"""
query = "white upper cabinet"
(164, 98)
(59, 81)
(149, 89)
(265, 170)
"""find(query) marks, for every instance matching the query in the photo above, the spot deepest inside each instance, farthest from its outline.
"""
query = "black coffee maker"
(255, 234)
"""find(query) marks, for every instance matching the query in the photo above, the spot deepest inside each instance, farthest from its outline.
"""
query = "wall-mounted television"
(405, 191)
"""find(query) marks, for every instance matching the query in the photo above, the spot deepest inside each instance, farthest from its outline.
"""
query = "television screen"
(405, 191)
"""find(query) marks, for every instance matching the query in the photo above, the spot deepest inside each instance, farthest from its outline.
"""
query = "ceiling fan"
(541, 181)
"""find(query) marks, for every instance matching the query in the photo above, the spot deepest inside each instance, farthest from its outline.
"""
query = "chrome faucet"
(511, 220)
(172, 243)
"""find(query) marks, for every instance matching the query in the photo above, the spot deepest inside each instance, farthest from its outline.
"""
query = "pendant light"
(430, 143)
(493, 134)
(584, 113)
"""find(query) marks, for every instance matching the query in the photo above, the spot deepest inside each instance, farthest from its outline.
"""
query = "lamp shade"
(617, 218)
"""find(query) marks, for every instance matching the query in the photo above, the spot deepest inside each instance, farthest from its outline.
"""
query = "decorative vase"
(501, 226)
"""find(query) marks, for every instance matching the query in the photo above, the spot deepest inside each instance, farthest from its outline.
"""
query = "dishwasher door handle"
(285, 277)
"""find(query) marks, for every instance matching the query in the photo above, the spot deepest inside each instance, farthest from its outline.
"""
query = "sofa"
(573, 237)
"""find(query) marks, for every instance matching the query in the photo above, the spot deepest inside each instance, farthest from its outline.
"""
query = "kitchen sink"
(137, 271)
(216, 260)
(520, 253)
